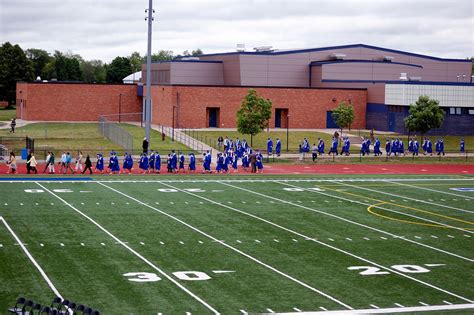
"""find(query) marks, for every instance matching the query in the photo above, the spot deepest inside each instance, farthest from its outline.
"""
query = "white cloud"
(104, 29)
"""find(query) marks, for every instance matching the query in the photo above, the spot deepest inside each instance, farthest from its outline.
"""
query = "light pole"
(287, 130)
(149, 19)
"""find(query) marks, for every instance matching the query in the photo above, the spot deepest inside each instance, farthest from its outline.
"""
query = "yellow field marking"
(369, 209)
(402, 206)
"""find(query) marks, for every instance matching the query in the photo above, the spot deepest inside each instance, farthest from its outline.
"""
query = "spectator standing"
(145, 145)
(32, 162)
(314, 150)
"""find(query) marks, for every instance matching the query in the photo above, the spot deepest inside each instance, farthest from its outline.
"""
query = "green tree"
(197, 52)
(136, 61)
(162, 55)
(39, 59)
(93, 71)
(253, 115)
(118, 69)
(14, 67)
(424, 115)
(343, 115)
(63, 67)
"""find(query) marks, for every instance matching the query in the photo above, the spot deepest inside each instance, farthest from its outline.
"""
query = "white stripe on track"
(164, 274)
(400, 196)
(360, 224)
(33, 261)
(227, 245)
(320, 242)
(433, 190)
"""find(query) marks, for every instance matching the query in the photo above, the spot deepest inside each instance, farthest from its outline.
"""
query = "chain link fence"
(109, 128)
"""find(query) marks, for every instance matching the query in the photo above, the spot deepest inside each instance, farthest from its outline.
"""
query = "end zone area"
(241, 244)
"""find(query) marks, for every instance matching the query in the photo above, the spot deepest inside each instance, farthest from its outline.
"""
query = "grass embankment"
(7, 114)
(296, 137)
(85, 137)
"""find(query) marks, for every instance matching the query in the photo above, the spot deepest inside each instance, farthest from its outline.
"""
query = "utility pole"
(150, 12)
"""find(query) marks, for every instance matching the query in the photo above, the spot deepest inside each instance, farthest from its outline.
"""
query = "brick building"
(305, 85)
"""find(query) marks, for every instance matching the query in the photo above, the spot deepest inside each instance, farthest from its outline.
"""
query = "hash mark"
(384, 238)
(270, 311)
(424, 304)
(200, 242)
(238, 241)
(449, 303)
(349, 239)
(294, 240)
(331, 239)
(243, 312)
(324, 309)
(374, 306)
(466, 235)
(398, 304)
(297, 309)
(181, 242)
(257, 241)
(62, 244)
(366, 238)
(162, 243)
(434, 236)
(450, 236)
(141, 243)
(82, 244)
(41, 244)
(103, 244)
(276, 240)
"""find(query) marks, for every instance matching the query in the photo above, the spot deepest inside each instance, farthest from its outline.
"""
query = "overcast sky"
(104, 29)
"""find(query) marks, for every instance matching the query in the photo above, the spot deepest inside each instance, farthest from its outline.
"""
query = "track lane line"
(149, 263)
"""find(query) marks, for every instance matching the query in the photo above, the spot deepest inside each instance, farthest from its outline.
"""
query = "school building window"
(455, 110)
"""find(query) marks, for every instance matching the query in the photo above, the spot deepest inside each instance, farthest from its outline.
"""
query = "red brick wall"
(75, 102)
(306, 107)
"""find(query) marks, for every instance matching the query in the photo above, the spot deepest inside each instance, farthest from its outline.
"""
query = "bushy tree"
(63, 67)
(93, 71)
(343, 115)
(162, 55)
(14, 67)
(39, 59)
(424, 115)
(136, 60)
(254, 114)
(118, 69)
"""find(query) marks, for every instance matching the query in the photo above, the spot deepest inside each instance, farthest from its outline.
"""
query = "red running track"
(323, 169)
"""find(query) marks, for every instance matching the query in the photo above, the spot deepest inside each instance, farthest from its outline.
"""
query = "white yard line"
(400, 196)
(227, 245)
(357, 223)
(433, 190)
(319, 242)
(33, 261)
(430, 308)
(132, 251)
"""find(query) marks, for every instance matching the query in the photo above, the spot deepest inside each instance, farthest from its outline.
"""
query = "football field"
(240, 244)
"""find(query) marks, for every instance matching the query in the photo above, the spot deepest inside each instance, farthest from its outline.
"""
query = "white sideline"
(133, 251)
(433, 190)
(363, 225)
(41, 271)
(392, 310)
(230, 247)
(403, 197)
(248, 180)
(320, 242)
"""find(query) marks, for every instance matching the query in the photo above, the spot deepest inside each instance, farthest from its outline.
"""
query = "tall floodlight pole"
(148, 74)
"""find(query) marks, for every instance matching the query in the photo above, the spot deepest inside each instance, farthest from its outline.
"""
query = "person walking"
(12, 163)
(78, 167)
(88, 165)
(314, 151)
(51, 163)
(13, 125)
(32, 162)
(28, 168)
(253, 162)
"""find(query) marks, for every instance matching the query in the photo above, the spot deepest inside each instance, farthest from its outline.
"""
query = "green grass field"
(240, 244)
(81, 136)
(7, 114)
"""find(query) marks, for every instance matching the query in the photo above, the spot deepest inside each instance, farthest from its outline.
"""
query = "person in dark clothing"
(28, 165)
(145, 145)
(253, 162)
(13, 125)
(87, 164)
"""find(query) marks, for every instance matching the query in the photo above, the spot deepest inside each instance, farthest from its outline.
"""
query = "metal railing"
(112, 131)
(188, 140)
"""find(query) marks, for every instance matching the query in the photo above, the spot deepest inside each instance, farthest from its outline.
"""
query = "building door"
(277, 117)
(391, 121)
(330, 123)
(213, 117)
